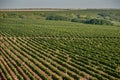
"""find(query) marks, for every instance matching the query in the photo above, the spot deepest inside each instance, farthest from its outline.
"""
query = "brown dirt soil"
(8, 69)
(2, 76)
(17, 67)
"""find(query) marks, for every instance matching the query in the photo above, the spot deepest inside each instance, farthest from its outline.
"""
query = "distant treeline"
(80, 20)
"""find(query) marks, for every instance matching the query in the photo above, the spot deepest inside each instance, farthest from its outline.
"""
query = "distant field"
(34, 48)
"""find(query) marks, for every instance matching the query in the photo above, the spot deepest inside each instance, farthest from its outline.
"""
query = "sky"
(60, 4)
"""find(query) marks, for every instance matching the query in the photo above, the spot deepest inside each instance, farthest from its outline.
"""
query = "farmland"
(33, 48)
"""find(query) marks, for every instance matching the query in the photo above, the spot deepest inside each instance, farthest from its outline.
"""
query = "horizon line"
(57, 8)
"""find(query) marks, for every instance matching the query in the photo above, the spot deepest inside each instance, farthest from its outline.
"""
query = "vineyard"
(39, 49)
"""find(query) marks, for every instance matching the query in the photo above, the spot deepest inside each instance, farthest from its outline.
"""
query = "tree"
(98, 21)
(56, 17)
